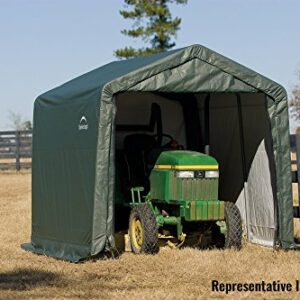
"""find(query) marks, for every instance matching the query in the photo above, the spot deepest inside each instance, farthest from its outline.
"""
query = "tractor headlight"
(211, 174)
(185, 174)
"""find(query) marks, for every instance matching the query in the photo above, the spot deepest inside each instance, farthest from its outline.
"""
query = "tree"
(17, 122)
(27, 125)
(295, 102)
(153, 23)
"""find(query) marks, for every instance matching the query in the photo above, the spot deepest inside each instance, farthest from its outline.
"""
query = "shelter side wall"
(240, 139)
(260, 170)
(64, 153)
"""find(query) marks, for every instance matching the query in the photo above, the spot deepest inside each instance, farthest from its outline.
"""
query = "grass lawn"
(172, 274)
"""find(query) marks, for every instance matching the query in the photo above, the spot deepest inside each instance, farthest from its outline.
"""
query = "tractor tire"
(143, 230)
(234, 234)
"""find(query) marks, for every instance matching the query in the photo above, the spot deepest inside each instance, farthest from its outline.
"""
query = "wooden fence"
(295, 149)
(15, 149)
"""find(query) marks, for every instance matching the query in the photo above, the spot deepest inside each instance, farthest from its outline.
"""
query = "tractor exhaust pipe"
(206, 149)
(206, 124)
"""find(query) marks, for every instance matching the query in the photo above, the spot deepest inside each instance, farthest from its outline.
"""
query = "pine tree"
(153, 23)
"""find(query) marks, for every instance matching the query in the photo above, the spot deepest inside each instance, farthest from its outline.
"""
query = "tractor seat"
(136, 150)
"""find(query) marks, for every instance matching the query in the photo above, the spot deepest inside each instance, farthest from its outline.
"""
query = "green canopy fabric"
(73, 166)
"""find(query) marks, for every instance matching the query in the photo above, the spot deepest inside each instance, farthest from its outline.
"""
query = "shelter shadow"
(26, 279)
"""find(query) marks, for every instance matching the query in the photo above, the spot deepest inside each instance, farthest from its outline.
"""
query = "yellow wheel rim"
(137, 233)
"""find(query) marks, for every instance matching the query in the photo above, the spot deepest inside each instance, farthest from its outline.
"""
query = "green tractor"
(171, 194)
(183, 196)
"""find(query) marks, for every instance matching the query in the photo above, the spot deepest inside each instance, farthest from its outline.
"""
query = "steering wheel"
(160, 137)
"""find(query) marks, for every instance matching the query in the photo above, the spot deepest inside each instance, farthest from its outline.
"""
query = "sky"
(44, 43)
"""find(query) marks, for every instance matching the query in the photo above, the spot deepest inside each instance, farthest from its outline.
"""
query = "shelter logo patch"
(83, 124)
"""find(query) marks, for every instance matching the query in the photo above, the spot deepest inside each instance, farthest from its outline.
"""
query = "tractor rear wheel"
(143, 230)
(234, 230)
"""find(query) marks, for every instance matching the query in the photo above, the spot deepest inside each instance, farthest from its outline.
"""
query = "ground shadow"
(26, 279)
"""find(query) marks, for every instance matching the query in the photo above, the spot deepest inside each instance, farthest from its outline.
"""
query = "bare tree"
(295, 101)
(17, 122)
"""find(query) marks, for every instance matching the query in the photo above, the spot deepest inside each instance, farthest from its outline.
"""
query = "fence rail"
(15, 149)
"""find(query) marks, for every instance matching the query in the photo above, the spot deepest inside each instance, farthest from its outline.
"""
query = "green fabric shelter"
(73, 167)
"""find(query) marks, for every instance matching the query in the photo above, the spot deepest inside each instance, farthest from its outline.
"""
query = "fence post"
(18, 142)
(297, 144)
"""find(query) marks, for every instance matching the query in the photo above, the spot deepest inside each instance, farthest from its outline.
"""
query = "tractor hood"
(185, 160)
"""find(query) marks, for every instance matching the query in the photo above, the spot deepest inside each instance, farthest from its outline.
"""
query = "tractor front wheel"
(234, 231)
(143, 230)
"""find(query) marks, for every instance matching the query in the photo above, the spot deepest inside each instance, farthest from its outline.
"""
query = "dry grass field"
(172, 274)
